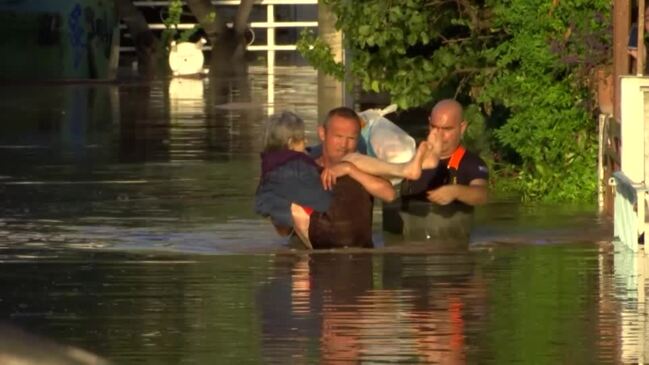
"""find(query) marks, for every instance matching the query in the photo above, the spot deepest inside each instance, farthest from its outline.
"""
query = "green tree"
(524, 58)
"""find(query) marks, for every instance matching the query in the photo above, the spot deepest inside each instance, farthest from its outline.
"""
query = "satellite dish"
(186, 58)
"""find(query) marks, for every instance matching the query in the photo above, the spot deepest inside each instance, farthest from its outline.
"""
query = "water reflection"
(54, 124)
(630, 285)
(508, 305)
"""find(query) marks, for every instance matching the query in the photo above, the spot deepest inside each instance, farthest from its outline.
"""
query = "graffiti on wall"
(77, 40)
(87, 32)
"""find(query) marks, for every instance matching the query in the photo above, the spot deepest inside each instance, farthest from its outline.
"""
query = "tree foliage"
(530, 60)
(171, 22)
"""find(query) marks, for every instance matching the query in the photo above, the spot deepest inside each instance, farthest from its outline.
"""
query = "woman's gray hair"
(282, 128)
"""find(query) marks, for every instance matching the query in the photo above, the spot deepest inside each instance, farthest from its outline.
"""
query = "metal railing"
(609, 158)
(629, 225)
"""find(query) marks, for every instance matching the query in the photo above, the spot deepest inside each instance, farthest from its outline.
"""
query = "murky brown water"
(127, 229)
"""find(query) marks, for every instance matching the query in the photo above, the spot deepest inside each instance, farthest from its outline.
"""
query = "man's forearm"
(376, 186)
(472, 194)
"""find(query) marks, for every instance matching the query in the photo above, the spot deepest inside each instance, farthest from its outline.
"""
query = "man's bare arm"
(476, 193)
(376, 186)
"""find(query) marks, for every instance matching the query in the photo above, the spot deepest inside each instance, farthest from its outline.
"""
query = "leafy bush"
(530, 58)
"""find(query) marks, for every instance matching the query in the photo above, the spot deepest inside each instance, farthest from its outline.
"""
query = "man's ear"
(463, 126)
(321, 133)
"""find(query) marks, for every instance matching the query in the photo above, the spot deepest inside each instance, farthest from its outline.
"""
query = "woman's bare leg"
(410, 170)
(301, 224)
(374, 166)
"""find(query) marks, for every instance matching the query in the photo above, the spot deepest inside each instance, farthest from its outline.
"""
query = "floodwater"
(127, 230)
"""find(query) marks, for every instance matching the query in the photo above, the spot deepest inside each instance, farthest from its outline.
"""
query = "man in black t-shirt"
(439, 205)
(348, 221)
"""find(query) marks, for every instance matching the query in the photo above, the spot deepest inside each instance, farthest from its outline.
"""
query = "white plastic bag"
(384, 139)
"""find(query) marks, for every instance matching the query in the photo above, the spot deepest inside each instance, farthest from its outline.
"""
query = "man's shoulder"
(473, 164)
(473, 157)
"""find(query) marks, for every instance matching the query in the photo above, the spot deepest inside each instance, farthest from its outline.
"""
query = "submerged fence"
(264, 41)
(628, 139)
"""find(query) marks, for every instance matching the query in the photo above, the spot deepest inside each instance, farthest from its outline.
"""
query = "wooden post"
(621, 24)
(641, 45)
(331, 92)
(643, 198)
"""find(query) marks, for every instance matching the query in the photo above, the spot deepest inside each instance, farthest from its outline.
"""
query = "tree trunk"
(147, 46)
(228, 44)
(241, 18)
(206, 15)
(240, 26)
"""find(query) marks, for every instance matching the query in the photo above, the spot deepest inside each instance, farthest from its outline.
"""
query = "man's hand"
(476, 193)
(376, 186)
(434, 144)
(434, 140)
(330, 174)
(443, 195)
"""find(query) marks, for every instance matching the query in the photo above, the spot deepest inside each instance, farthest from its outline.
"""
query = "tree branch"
(206, 15)
(464, 6)
(467, 70)
(459, 40)
(460, 85)
(146, 43)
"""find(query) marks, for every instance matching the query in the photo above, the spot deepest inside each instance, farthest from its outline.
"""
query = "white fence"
(629, 221)
(270, 25)
(630, 182)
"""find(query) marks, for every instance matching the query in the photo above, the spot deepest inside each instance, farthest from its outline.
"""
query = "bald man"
(439, 205)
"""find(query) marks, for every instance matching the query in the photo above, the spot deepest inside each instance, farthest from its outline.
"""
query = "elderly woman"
(289, 177)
